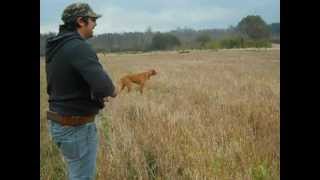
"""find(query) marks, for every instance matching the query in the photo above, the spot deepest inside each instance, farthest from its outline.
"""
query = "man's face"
(90, 26)
(87, 28)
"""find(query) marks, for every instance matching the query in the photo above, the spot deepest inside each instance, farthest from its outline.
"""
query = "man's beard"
(90, 35)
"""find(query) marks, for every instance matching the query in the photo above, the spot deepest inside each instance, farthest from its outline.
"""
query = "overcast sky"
(162, 15)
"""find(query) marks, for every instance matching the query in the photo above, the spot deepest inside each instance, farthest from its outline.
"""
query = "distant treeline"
(246, 34)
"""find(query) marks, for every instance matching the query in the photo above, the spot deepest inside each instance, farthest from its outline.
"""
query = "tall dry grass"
(206, 115)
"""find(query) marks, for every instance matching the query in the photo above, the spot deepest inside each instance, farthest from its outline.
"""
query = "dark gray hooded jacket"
(76, 81)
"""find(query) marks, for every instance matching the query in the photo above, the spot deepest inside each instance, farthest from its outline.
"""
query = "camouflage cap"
(75, 10)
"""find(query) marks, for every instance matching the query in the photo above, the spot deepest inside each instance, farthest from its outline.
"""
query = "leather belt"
(69, 120)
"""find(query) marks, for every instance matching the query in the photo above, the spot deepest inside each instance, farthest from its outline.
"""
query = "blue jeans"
(79, 148)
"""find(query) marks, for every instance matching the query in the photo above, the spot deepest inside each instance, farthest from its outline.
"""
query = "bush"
(229, 43)
(214, 45)
(203, 39)
(238, 42)
(257, 43)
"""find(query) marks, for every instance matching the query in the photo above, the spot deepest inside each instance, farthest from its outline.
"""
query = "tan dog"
(139, 79)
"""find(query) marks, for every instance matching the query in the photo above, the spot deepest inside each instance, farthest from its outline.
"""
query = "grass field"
(205, 115)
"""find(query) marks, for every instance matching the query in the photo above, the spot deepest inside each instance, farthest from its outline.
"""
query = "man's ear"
(80, 21)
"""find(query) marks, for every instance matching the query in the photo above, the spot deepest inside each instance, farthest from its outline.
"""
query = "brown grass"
(217, 118)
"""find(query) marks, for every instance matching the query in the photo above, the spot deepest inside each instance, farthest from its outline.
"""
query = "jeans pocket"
(75, 142)
(69, 149)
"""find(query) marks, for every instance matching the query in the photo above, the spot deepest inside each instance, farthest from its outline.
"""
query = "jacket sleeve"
(86, 62)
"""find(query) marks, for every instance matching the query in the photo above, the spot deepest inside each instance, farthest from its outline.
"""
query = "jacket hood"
(55, 43)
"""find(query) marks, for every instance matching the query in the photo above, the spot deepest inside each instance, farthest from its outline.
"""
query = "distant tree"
(203, 39)
(254, 27)
(147, 39)
(185, 38)
(149, 30)
(275, 28)
(275, 32)
(159, 41)
(232, 29)
(162, 41)
(172, 41)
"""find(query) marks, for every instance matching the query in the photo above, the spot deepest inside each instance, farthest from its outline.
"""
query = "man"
(77, 87)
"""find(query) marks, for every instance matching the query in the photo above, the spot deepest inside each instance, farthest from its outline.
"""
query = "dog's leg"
(122, 86)
(129, 86)
(141, 87)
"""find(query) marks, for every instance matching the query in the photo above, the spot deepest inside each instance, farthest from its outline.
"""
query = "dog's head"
(152, 72)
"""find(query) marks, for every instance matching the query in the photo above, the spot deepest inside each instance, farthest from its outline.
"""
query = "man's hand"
(114, 94)
(105, 99)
